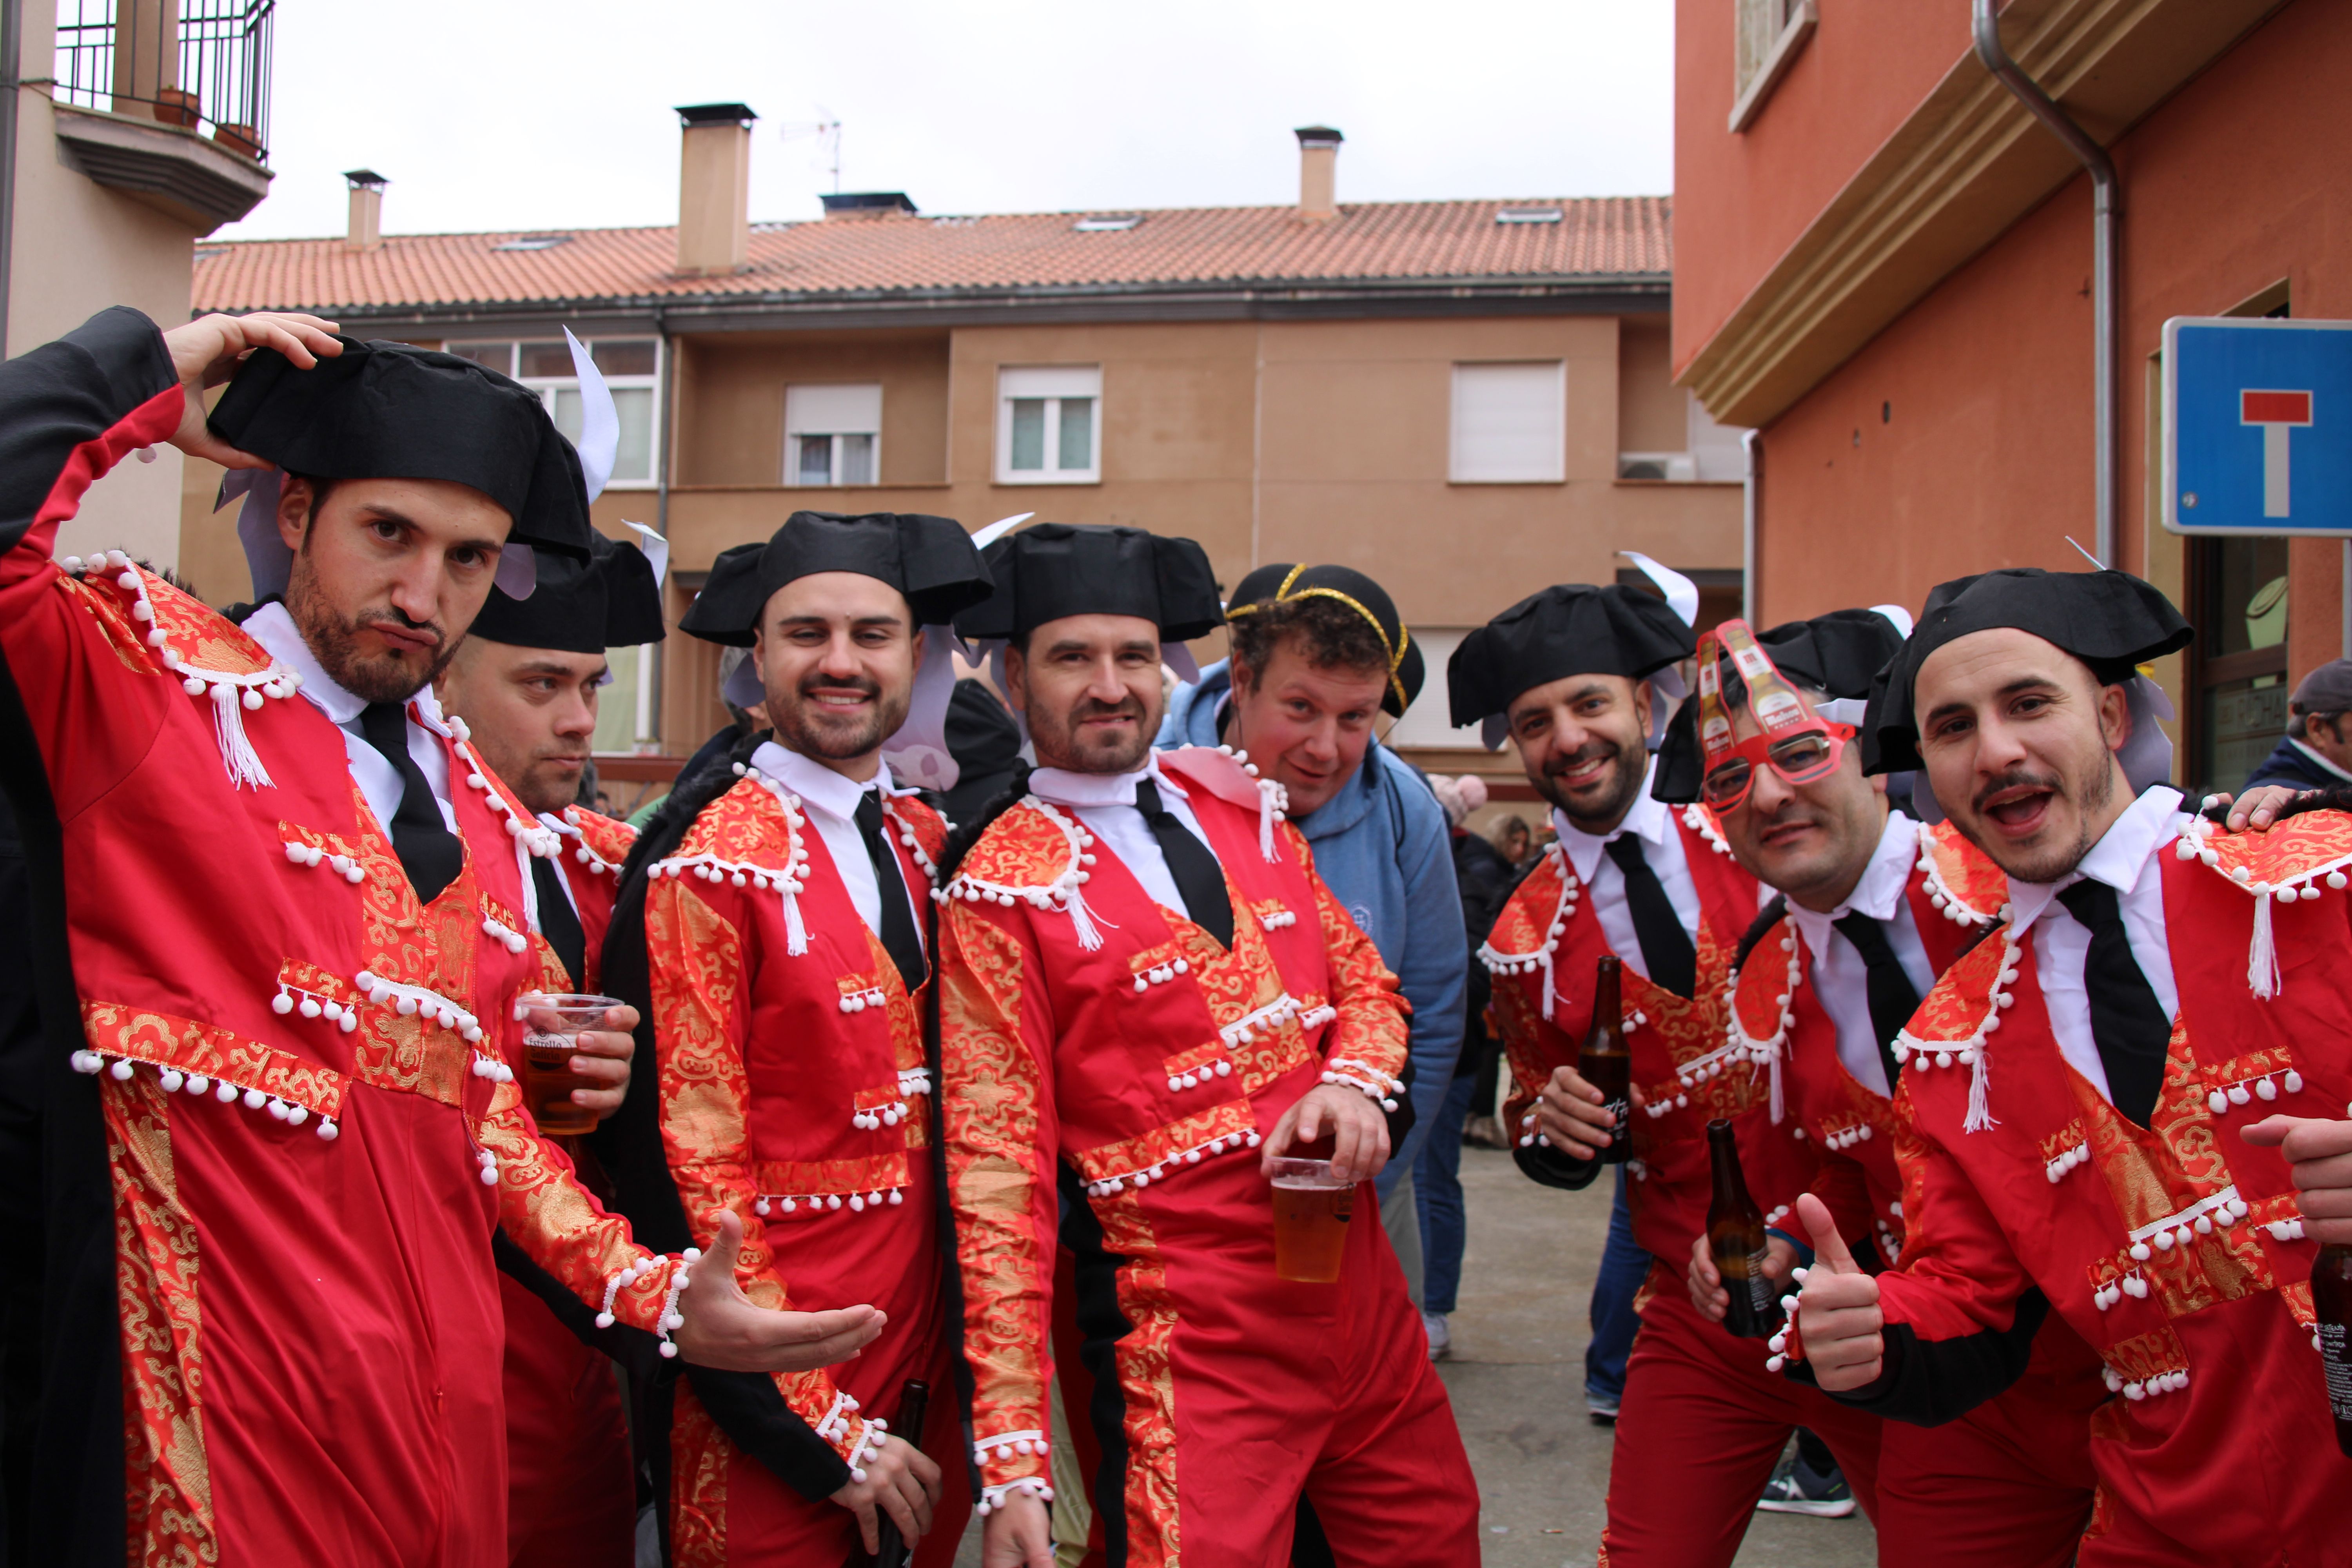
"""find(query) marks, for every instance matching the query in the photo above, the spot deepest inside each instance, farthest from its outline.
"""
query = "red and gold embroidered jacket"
(1778, 1019)
(241, 929)
(594, 846)
(2174, 1250)
(1085, 1025)
(792, 1072)
(1542, 953)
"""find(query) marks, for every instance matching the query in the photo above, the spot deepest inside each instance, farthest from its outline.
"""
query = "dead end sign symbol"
(2276, 413)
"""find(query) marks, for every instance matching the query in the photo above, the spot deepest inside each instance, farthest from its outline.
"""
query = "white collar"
(817, 785)
(2316, 757)
(2147, 826)
(1880, 891)
(274, 629)
(1648, 818)
(1082, 790)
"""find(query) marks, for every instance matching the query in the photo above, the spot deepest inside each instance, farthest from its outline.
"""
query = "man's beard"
(1058, 745)
(335, 642)
(801, 721)
(2048, 862)
(1607, 811)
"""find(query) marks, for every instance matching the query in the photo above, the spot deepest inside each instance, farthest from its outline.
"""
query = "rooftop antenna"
(826, 129)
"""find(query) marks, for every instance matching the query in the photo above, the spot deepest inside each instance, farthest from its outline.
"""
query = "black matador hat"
(1284, 581)
(613, 600)
(1571, 628)
(931, 560)
(2111, 621)
(1053, 570)
(388, 411)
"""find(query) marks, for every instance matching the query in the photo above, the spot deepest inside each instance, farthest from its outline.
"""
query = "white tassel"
(237, 754)
(1266, 823)
(1082, 921)
(1545, 962)
(795, 933)
(1981, 1116)
(1780, 1105)
(2262, 958)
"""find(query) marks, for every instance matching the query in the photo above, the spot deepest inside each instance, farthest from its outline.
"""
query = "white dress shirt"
(1105, 803)
(379, 781)
(1652, 821)
(831, 801)
(2125, 860)
(1840, 978)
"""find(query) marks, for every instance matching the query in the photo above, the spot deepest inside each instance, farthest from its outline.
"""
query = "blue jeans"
(1624, 1266)
(1437, 1180)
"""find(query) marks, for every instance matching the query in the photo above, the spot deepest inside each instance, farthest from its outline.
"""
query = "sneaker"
(1441, 1338)
(1485, 1132)
(1797, 1488)
(1603, 1407)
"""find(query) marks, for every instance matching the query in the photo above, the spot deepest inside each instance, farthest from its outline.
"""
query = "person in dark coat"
(2317, 751)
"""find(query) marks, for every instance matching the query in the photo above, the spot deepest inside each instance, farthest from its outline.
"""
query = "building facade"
(1886, 264)
(1465, 399)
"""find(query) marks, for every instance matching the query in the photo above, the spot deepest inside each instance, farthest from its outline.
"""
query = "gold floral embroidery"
(1147, 1379)
(699, 1458)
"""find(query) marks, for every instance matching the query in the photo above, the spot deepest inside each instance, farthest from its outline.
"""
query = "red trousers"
(2010, 1484)
(1702, 1425)
(571, 1495)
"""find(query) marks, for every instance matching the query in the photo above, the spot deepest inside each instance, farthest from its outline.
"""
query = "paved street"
(1517, 1378)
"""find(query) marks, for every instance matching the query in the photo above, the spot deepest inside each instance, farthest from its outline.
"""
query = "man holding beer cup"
(2125, 1103)
(1152, 1013)
(1581, 678)
(1872, 906)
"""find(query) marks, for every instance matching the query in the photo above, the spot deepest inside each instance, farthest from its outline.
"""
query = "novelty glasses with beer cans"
(1796, 743)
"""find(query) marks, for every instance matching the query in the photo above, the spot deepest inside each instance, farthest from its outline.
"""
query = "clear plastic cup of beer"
(552, 1021)
(1311, 1207)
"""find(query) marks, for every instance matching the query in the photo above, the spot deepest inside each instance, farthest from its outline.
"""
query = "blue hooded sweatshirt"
(1383, 847)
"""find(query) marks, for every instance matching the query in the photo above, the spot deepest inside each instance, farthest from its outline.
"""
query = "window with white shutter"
(1510, 423)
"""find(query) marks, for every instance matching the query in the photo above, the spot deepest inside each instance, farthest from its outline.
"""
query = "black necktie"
(1199, 880)
(898, 938)
(429, 851)
(559, 922)
(1892, 997)
(2127, 1022)
(1667, 948)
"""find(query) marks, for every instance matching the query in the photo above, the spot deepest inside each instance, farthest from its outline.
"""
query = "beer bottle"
(1735, 1237)
(2331, 1302)
(1604, 1063)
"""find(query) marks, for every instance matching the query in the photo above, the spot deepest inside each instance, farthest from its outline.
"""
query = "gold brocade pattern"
(698, 1457)
(992, 1106)
(162, 1040)
(802, 1178)
(551, 1216)
(429, 946)
(168, 1499)
(1166, 1144)
(1147, 1378)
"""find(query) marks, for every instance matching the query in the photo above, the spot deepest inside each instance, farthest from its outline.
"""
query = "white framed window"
(1510, 423)
(1767, 38)
(833, 435)
(631, 368)
(1049, 425)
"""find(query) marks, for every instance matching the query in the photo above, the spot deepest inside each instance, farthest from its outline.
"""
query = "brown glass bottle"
(1735, 1238)
(2331, 1302)
(1605, 1063)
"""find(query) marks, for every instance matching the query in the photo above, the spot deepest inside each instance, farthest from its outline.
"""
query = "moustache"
(2016, 778)
(1093, 709)
(864, 686)
(1591, 751)
(398, 617)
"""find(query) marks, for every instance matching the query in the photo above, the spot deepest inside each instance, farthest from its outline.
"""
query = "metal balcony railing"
(200, 64)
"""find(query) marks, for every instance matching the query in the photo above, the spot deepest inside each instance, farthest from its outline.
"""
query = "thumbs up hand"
(1837, 1312)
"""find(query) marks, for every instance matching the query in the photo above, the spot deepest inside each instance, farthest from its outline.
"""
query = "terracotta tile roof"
(1599, 237)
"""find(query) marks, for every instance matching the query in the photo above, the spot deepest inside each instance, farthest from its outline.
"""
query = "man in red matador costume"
(2124, 1104)
(1146, 995)
(525, 680)
(771, 921)
(277, 894)
(1871, 906)
(1580, 677)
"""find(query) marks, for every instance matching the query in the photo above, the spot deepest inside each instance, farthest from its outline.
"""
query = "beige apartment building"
(1465, 399)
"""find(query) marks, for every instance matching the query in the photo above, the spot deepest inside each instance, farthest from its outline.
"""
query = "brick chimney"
(714, 189)
(366, 230)
(1318, 160)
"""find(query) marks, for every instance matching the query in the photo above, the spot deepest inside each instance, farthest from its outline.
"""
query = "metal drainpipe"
(12, 48)
(2107, 225)
(659, 674)
(1751, 500)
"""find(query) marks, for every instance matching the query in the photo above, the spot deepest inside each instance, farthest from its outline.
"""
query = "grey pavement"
(1516, 1377)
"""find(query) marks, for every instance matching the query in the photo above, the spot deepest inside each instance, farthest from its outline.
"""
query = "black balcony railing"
(200, 64)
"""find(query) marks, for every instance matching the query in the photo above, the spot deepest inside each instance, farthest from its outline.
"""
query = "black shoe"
(1797, 1488)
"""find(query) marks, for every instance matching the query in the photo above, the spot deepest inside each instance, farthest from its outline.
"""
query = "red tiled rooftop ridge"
(1596, 237)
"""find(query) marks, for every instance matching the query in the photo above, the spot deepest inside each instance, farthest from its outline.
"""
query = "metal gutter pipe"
(1751, 500)
(2107, 226)
(12, 48)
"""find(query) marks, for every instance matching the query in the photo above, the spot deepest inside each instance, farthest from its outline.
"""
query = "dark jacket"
(2292, 766)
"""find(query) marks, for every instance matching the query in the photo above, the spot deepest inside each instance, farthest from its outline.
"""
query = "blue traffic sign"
(2257, 425)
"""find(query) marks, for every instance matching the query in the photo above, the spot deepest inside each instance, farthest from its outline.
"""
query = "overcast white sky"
(490, 114)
